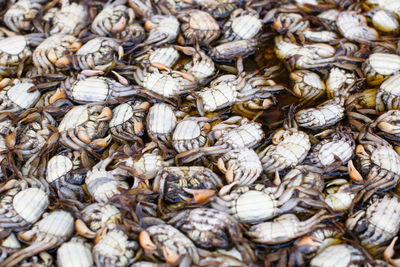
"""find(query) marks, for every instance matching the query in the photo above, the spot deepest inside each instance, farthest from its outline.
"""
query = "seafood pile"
(199, 133)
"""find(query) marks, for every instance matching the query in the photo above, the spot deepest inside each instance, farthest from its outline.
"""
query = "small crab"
(289, 148)
(53, 52)
(353, 26)
(114, 249)
(166, 83)
(50, 232)
(163, 29)
(190, 133)
(349, 255)
(70, 18)
(243, 24)
(378, 224)
(84, 127)
(380, 66)
(89, 87)
(75, 252)
(168, 244)
(15, 50)
(103, 184)
(66, 172)
(307, 85)
(388, 96)
(285, 228)
(112, 19)
(127, 121)
(257, 203)
(99, 53)
(161, 121)
(241, 166)
(19, 16)
(16, 95)
(177, 184)
(200, 26)
(234, 49)
(167, 56)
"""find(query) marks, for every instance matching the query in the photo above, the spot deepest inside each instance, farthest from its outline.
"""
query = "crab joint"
(146, 243)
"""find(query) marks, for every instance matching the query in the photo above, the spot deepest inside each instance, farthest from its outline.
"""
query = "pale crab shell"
(161, 119)
(57, 167)
(244, 27)
(167, 28)
(200, 25)
(98, 215)
(149, 164)
(58, 223)
(385, 21)
(30, 204)
(389, 93)
(102, 185)
(354, 26)
(121, 114)
(288, 152)
(217, 97)
(18, 15)
(20, 96)
(329, 256)
(66, 19)
(188, 135)
(75, 253)
(380, 65)
(14, 45)
(114, 249)
(245, 163)
(386, 158)
(101, 24)
(310, 85)
(75, 117)
(164, 235)
(329, 151)
(337, 79)
(249, 134)
(342, 199)
(167, 56)
(320, 36)
(323, 116)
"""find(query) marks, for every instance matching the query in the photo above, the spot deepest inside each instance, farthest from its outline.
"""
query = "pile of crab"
(199, 133)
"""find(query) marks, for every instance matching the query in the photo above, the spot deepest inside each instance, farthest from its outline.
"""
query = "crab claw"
(160, 66)
(186, 76)
(83, 230)
(389, 253)
(83, 136)
(146, 243)
(353, 173)
(4, 82)
(119, 26)
(171, 257)
(62, 62)
(11, 139)
(26, 236)
(89, 73)
(229, 175)
(308, 241)
(149, 25)
(75, 46)
(101, 142)
(122, 80)
(52, 56)
(60, 94)
(200, 195)
(388, 128)
(360, 152)
(105, 115)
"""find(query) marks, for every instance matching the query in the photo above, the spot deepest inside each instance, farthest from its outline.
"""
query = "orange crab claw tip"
(60, 94)
(92, 72)
(160, 66)
(105, 115)
(200, 195)
(226, 189)
(100, 234)
(119, 26)
(83, 136)
(187, 76)
(229, 175)
(170, 256)
(221, 165)
(389, 251)
(308, 241)
(388, 128)
(148, 25)
(101, 142)
(51, 55)
(11, 138)
(26, 236)
(360, 151)
(146, 243)
(121, 79)
(75, 46)
(62, 62)
(4, 82)
(83, 230)
(353, 173)
(267, 103)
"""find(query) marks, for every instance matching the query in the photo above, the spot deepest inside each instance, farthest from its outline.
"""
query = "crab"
(177, 184)
(16, 95)
(200, 26)
(190, 133)
(388, 94)
(20, 15)
(257, 203)
(53, 52)
(163, 29)
(381, 66)
(84, 127)
(81, 251)
(50, 232)
(70, 18)
(127, 121)
(242, 24)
